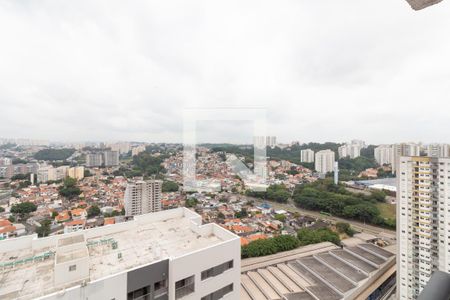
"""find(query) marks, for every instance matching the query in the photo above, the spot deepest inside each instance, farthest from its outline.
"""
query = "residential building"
(76, 172)
(94, 159)
(423, 222)
(349, 150)
(307, 156)
(383, 155)
(438, 150)
(268, 141)
(324, 161)
(47, 173)
(165, 255)
(403, 149)
(7, 229)
(75, 225)
(143, 197)
(5, 161)
(138, 149)
(111, 158)
(121, 147)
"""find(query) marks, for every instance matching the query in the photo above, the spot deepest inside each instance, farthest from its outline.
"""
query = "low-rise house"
(74, 225)
(78, 213)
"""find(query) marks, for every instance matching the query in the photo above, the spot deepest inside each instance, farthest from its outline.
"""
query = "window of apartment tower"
(160, 288)
(141, 294)
(184, 287)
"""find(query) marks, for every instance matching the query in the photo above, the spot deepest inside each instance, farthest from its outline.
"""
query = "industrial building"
(319, 272)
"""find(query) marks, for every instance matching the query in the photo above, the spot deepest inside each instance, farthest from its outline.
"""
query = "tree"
(308, 236)
(20, 176)
(280, 217)
(23, 208)
(191, 202)
(241, 214)
(1, 209)
(343, 227)
(169, 186)
(44, 230)
(93, 211)
(269, 246)
(53, 154)
(221, 216)
(69, 188)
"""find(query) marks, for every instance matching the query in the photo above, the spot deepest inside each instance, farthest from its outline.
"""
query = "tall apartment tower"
(403, 149)
(307, 156)
(143, 196)
(423, 222)
(324, 161)
(111, 158)
(94, 160)
(383, 154)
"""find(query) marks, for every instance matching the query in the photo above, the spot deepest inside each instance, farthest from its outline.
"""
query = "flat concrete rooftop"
(109, 249)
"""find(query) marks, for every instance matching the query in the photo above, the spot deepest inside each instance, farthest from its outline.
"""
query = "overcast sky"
(325, 70)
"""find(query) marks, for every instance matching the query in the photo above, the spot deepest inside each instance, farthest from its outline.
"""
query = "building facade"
(423, 222)
(383, 155)
(94, 159)
(349, 150)
(167, 255)
(324, 161)
(307, 156)
(111, 158)
(143, 197)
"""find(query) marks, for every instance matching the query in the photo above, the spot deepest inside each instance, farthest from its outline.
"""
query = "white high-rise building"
(49, 173)
(268, 141)
(403, 149)
(111, 158)
(307, 156)
(94, 159)
(143, 197)
(438, 150)
(165, 255)
(383, 154)
(5, 161)
(324, 161)
(138, 149)
(349, 150)
(121, 147)
(423, 222)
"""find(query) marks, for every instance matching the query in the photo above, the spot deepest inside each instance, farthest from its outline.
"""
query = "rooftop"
(321, 271)
(27, 264)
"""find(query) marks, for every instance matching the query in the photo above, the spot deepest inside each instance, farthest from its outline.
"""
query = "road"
(377, 231)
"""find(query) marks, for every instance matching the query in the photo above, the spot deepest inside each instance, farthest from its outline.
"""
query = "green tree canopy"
(53, 154)
(308, 236)
(23, 208)
(169, 186)
(69, 189)
(93, 211)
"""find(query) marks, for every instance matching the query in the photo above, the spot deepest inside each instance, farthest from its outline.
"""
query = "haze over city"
(328, 71)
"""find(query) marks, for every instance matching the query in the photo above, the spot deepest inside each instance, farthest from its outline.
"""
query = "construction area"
(316, 272)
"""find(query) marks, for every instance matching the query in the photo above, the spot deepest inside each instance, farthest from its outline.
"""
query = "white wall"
(114, 287)
(195, 263)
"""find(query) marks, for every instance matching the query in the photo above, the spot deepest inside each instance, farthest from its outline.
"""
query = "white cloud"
(325, 70)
